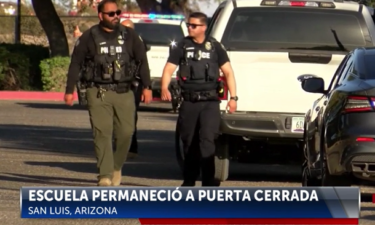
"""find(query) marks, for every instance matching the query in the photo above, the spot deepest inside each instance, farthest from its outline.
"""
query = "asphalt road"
(49, 144)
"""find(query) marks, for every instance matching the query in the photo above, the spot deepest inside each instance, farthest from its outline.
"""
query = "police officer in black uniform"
(105, 55)
(200, 60)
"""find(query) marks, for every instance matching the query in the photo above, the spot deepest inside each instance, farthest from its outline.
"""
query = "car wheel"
(307, 179)
(180, 155)
(222, 158)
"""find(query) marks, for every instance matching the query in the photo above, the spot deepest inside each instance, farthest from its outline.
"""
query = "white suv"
(158, 32)
(270, 43)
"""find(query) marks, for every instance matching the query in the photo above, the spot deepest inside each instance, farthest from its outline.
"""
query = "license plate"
(298, 124)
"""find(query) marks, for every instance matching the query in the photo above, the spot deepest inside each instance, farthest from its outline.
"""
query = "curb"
(39, 96)
(33, 95)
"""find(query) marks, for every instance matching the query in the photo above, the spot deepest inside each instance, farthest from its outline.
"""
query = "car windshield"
(158, 34)
(290, 28)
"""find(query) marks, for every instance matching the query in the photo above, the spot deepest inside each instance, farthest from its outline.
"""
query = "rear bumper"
(260, 125)
(357, 158)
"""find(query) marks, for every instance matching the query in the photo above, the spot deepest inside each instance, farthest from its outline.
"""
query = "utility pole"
(17, 28)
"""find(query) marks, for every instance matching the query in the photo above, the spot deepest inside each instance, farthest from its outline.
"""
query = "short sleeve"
(222, 53)
(175, 52)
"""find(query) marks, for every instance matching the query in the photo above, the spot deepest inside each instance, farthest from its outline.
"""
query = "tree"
(52, 26)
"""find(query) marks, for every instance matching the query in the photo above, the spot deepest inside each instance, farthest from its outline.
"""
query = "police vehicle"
(158, 32)
(270, 43)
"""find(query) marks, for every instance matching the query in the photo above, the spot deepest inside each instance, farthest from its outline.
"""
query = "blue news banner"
(172, 202)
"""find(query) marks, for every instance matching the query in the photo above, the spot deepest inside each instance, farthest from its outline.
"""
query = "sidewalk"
(33, 95)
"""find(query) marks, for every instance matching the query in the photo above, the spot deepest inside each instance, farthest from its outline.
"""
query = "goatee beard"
(109, 24)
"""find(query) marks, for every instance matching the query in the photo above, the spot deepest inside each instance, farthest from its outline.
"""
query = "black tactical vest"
(111, 62)
(199, 68)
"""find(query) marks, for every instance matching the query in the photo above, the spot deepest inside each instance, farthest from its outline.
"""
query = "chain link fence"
(33, 33)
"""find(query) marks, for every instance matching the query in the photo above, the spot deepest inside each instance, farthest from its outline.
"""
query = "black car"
(339, 136)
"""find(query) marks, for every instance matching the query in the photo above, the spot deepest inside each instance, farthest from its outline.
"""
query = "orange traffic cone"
(77, 32)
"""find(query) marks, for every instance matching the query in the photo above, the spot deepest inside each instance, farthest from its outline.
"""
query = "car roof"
(367, 50)
(339, 4)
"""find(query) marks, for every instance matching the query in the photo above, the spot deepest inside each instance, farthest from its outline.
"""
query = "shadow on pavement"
(156, 160)
(149, 170)
(48, 180)
(156, 107)
(73, 141)
(367, 197)
(258, 173)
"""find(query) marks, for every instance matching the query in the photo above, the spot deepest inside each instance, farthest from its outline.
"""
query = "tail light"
(365, 139)
(359, 104)
(225, 88)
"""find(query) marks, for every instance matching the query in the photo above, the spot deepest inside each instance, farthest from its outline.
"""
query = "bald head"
(128, 23)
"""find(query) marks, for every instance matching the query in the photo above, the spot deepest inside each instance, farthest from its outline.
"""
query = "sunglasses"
(113, 13)
(193, 26)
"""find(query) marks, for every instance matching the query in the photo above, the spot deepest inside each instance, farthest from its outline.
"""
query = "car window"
(214, 20)
(346, 71)
(159, 34)
(289, 28)
(369, 67)
(337, 74)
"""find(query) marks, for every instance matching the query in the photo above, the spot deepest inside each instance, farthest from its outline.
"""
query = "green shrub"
(13, 70)
(35, 54)
(54, 72)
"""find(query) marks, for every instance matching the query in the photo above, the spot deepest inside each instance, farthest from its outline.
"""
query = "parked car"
(158, 32)
(339, 133)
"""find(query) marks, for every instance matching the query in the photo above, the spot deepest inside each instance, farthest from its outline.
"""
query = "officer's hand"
(69, 99)
(232, 106)
(166, 95)
(146, 96)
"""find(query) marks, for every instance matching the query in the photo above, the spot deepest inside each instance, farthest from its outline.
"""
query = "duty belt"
(200, 96)
(107, 87)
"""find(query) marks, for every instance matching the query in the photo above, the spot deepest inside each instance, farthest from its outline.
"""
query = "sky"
(208, 6)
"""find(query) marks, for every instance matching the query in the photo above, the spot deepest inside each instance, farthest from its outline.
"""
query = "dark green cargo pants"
(114, 113)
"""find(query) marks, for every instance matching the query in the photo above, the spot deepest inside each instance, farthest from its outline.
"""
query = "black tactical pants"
(112, 113)
(137, 97)
(198, 125)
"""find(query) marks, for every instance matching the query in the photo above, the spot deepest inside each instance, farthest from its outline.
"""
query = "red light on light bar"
(365, 139)
(297, 3)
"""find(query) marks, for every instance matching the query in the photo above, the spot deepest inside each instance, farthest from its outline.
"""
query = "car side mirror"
(313, 85)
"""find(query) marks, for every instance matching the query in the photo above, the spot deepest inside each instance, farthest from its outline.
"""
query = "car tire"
(307, 179)
(221, 158)
(179, 150)
(334, 180)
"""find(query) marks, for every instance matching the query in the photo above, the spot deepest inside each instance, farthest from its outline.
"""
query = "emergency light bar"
(298, 3)
(151, 16)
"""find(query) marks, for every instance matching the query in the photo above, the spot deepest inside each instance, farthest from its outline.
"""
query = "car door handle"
(317, 108)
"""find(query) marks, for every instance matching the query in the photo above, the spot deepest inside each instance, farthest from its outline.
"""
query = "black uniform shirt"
(176, 52)
(85, 46)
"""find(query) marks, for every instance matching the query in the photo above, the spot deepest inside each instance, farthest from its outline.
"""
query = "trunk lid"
(267, 81)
